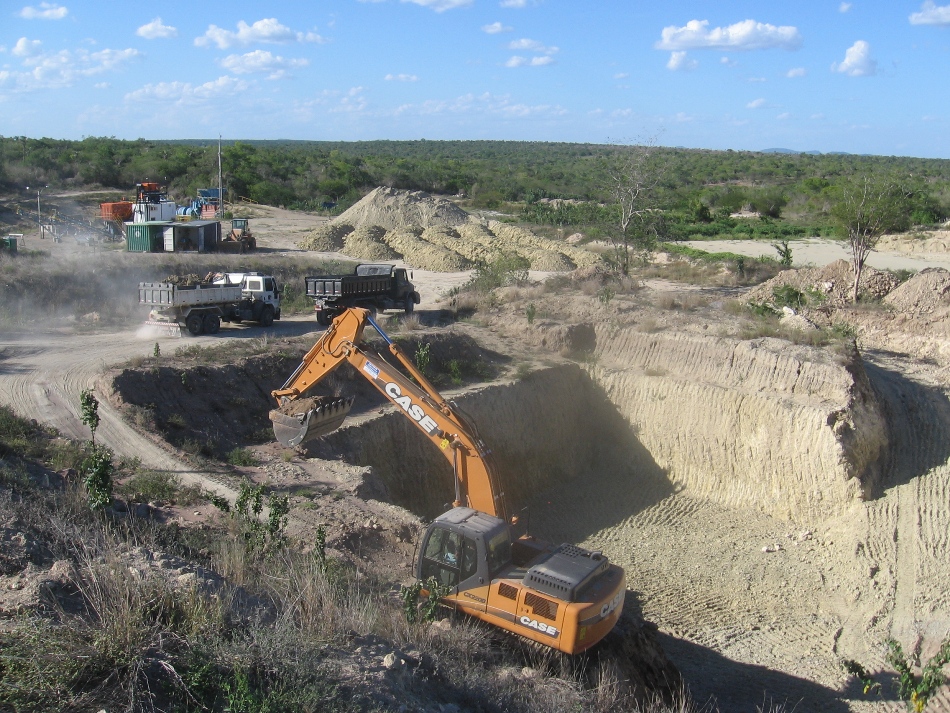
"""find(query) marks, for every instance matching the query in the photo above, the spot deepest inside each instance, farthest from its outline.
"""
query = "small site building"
(201, 236)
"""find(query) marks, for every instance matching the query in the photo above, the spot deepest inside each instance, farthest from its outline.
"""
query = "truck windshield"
(374, 269)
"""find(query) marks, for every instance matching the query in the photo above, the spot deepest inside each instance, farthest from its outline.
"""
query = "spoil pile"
(833, 281)
(432, 233)
(925, 293)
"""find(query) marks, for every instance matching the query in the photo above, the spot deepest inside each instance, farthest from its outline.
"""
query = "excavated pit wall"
(792, 431)
(552, 427)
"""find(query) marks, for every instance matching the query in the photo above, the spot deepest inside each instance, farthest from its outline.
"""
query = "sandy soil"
(752, 609)
(820, 251)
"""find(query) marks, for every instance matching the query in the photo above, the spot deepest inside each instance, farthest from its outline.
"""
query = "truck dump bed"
(166, 294)
(348, 285)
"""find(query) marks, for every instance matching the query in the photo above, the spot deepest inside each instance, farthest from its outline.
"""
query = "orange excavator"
(564, 597)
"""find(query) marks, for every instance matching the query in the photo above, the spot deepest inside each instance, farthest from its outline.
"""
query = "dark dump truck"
(376, 287)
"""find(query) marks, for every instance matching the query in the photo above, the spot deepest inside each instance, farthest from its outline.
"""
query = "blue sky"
(862, 76)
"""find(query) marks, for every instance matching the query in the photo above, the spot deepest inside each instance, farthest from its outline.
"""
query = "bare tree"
(867, 208)
(632, 176)
(426, 207)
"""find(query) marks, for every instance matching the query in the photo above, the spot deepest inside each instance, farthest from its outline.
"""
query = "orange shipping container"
(116, 211)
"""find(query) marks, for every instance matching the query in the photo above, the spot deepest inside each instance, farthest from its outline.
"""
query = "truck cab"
(260, 295)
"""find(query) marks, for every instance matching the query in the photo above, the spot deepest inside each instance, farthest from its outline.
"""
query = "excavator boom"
(298, 420)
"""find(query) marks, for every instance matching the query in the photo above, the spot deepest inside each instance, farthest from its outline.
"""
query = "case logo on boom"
(414, 410)
(538, 626)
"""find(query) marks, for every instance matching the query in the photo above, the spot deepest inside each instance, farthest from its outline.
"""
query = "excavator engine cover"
(293, 429)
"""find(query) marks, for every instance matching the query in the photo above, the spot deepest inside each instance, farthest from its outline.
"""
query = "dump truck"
(562, 596)
(200, 309)
(373, 286)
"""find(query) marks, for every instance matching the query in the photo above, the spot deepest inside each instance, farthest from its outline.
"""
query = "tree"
(632, 177)
(867, 208)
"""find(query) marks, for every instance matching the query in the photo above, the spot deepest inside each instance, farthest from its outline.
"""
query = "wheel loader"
(562, 596)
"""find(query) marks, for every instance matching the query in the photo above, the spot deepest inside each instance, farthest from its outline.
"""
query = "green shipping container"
(144, 237)
(10, 244)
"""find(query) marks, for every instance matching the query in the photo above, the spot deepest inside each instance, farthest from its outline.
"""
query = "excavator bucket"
(317, 419)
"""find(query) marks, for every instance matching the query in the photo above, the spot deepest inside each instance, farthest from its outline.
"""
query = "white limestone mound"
(368, 243)
(394, 209)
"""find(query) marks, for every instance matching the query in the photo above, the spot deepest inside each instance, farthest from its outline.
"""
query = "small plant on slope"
(913, 690)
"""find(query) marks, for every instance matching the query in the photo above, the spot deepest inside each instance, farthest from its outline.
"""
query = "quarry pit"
(778, 507)
(756, 491)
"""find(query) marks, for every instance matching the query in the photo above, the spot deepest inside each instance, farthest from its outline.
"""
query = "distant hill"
(811, 153)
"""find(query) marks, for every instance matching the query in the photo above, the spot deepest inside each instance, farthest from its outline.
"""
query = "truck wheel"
(410, 305)
(212, 324)
(323, 319)
(267, 316)
(194, 324)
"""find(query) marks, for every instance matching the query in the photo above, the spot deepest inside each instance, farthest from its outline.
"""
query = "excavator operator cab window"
(449, 556)
(499, 551)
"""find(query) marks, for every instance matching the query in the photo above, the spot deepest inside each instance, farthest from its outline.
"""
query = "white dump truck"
(228, 297)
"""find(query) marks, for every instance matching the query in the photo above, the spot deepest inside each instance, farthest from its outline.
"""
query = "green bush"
(506, 269)
(242, 457)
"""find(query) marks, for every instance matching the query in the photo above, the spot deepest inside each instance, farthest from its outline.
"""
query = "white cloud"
(401, 78)
(857, 61)
(180, 93)
(728, 61)
(755, 104)
(796, 72)
(483, 105)
(155, 30)
(783, 116)
(514, 3)
(519, 61)
(682, 117)
(745, 35)
(495, 28)
(45, 11)
(268, 30)
(527, 45)
(55, 70)
(26, 48)
(621, 75)
(679, 62)
(260, 61)
(931, 14)
(353, 101)
(844, 7)
(441, 5)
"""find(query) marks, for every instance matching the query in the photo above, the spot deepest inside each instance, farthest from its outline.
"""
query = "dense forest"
(698, 189)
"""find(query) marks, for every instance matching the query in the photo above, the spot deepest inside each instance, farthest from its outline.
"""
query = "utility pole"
(39, 215)
(220, 187)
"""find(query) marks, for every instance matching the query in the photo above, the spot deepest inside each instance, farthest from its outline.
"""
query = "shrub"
(242, 457)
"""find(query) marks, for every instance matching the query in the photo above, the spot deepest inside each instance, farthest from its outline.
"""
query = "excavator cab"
(463, 549)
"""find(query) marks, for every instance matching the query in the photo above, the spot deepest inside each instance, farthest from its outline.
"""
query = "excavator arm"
(297, 419)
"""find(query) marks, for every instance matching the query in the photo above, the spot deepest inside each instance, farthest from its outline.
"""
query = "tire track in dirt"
(43, 374)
